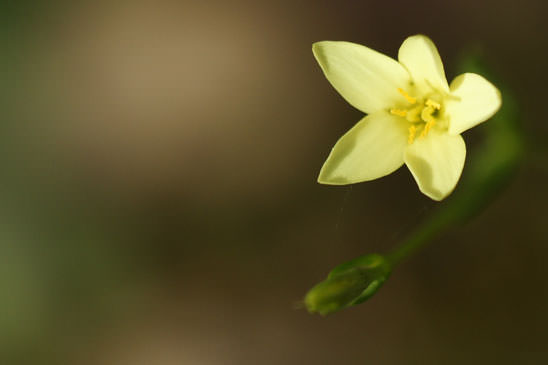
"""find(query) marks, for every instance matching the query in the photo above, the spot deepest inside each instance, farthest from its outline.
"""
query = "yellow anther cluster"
(420, 113)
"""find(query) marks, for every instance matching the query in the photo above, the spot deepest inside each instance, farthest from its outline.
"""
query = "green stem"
(489, 172)
(421, 237)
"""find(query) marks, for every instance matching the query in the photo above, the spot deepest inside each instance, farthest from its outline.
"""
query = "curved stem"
(488, 173)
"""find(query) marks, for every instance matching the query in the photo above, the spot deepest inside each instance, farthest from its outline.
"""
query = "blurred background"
(159, 195)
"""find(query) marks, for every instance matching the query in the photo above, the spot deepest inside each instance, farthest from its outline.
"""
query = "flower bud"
(348, 284)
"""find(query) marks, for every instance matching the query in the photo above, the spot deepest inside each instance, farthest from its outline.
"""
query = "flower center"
(420, 113)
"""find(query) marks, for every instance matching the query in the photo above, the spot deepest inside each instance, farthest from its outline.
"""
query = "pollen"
(409, 98)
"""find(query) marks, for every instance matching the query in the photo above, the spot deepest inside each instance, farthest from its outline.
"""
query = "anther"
(398, 112)
(412, 132)
(407, 97)
(427, 128)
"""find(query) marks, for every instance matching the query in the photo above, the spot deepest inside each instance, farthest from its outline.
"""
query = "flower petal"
(436, 162)
(373, 148)
(367, 79)
(477, 100)
(421, 58)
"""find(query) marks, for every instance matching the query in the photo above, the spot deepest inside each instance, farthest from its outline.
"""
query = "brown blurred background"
(159, 202)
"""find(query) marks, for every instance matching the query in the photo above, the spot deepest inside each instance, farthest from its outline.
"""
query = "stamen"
(422, 114)
(427, 128)
(409, 98)
(398, 112)
(412, 133)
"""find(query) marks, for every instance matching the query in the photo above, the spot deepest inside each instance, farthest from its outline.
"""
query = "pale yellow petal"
(436, 162)
(476, 100)
(373, 148)
(367, 79)
(421, 58)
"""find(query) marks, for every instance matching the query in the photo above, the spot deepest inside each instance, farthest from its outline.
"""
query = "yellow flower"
(414, 116)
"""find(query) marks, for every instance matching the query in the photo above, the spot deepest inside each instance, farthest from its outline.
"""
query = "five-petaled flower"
(414, 116)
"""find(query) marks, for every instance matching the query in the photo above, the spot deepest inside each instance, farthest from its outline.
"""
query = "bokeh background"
(159, 202)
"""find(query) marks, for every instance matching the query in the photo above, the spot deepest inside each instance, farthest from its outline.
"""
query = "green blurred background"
(159, 195)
